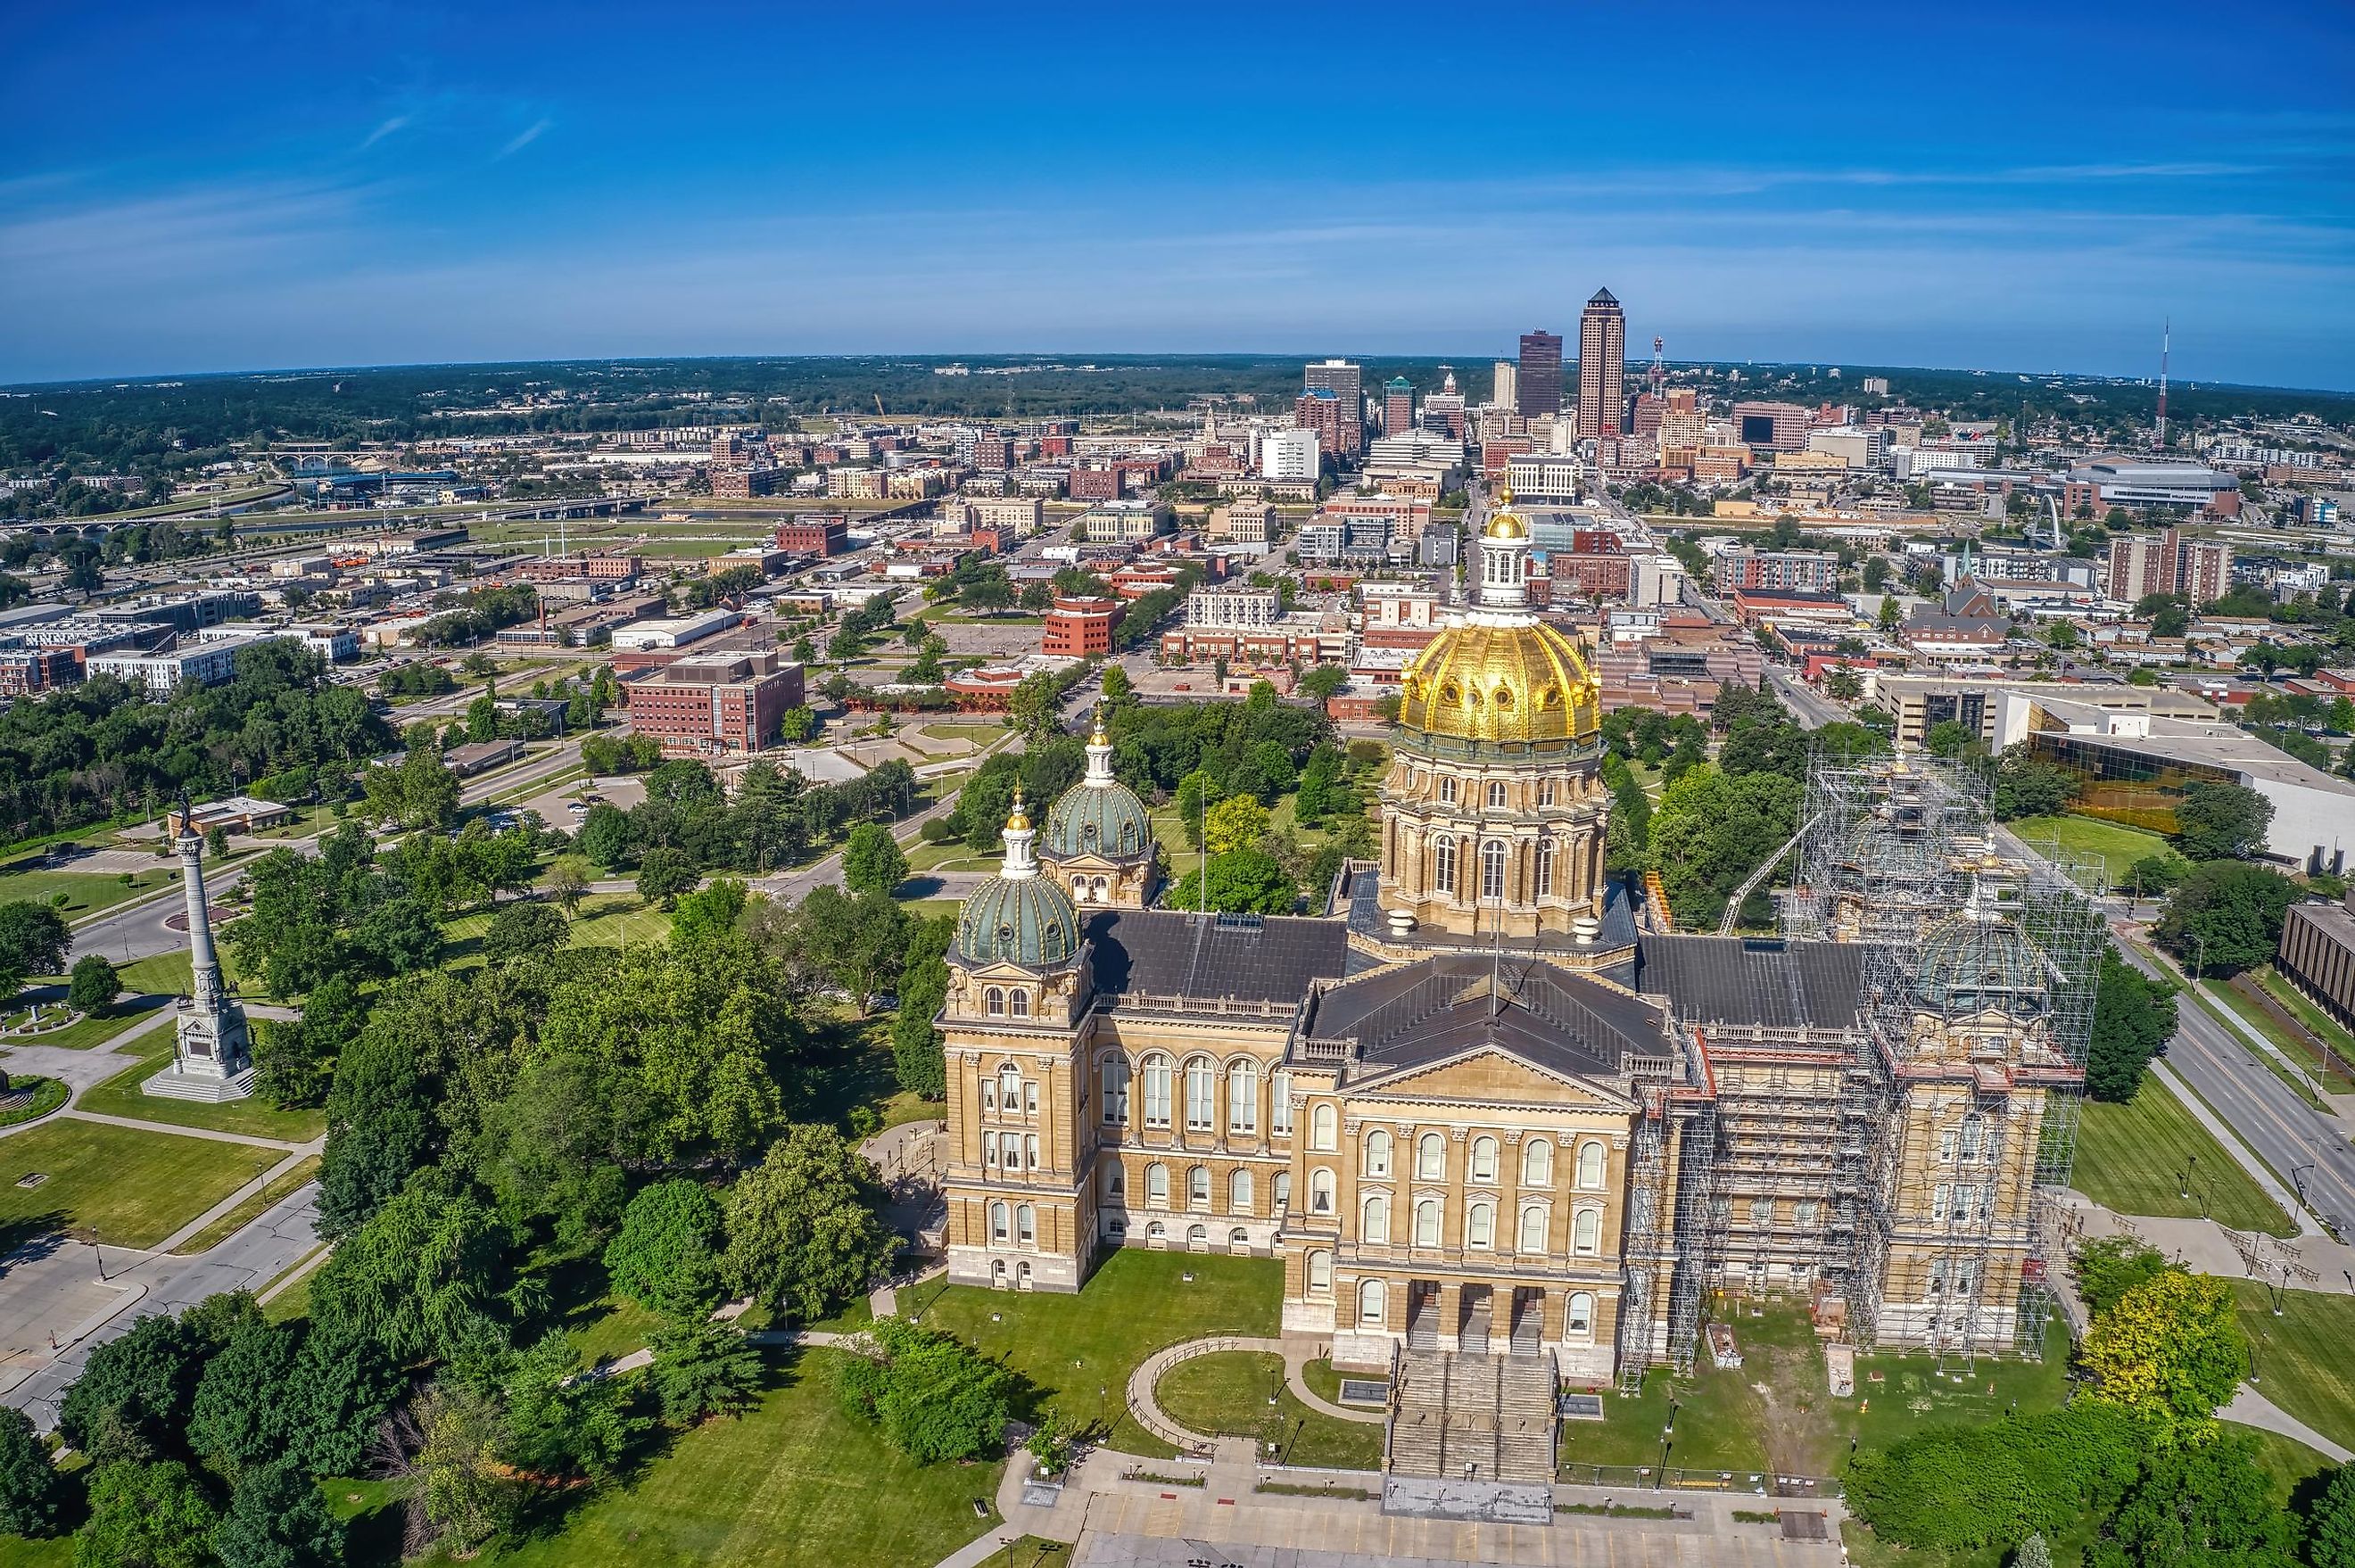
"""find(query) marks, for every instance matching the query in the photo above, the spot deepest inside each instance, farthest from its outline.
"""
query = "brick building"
(815, 534)
(1081, 627)
(723, 702)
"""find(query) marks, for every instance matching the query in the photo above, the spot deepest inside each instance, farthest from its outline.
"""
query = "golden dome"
(1505, 522)
(1020, 822)
(1516, 680)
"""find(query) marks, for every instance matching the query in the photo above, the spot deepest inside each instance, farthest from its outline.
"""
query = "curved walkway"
(1296, 1353)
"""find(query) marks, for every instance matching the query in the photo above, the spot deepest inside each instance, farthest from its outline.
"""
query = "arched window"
(1587, 1233)
(1492, 871)
(1320, 1191)
(1320, 1274)
(1018, 1003)
(1026, 1226)
(1374, 1222)
(1279, 1103)
(1238, 1192)
(998, 1222)
(1974, 1127)
(1198, 1187)
(1088, 833)
(1483, 1159)
(1378, 1152)
(1442, 865)
(1497, 795)
(1242, 1097)
(1127, 845)
(1369, 1301)
(1545, 868)
(993, 1002)
(1115, 1090)
(1430, 1157)
(1324, 1126)
(1010, 1087)
(1426, 1223)
(1156, 1233)
(1201, 1083)
(1157, 1091)
(1447, 788)
(1536, 1163)
(1533, 1230)
(1157, 1185)
(1282, 1192)
(1545, 791)
(1580, 1317)
(1480, 1225)
(1590, 1166)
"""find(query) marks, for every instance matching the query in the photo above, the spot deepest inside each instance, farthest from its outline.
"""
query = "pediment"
(1488, 1073)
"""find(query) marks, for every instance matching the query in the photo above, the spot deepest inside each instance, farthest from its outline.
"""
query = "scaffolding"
(1958, 923)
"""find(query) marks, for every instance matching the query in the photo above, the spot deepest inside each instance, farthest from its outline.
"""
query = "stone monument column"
(212, 1058)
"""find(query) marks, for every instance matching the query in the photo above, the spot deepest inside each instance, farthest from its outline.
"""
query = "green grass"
(2302, 1359)
(1029, 1551)
(164, 975)
(2331, 1032)
(2110, 844)
(120, 1096)
(277, 1187)
(48, 1094)
(2223, 999)
(1241, 1393)
(2288, 1463)
(619, 920)
(53, 1551)
(795, 1481)
(292, 1301)
(2131, 1160)
(132, 1189)
(1079, 1349)
(86, 892)
(95, 1029)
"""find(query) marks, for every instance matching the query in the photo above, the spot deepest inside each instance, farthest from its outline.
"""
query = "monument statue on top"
(213, 1056)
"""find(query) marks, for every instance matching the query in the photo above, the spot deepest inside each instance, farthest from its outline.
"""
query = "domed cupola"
(1099, 841)
(1017, 916)
(1978, 961)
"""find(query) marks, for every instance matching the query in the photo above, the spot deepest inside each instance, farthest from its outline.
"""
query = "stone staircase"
(1487, 1417)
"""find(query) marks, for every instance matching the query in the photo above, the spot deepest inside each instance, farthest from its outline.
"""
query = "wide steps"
(1488, 1418)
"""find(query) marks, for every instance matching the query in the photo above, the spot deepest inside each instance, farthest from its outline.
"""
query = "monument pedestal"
(211, 1089)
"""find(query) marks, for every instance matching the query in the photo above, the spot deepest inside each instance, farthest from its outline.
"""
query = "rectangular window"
(1156, 1096)
(1946, 1148)
(1970, 1138)
(1030, 1096)
(989, 1094)
(1030, 1150)
(1279, 1103)
(1938, 1201)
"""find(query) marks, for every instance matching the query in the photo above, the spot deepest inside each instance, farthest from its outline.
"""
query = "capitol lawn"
(131, 1188)
(1241, 1393)
(2134, 1159)
(2302, 1359)
(254, 1118)
(2113, 846)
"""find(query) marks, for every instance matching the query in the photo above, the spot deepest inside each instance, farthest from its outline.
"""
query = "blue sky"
(230, 187)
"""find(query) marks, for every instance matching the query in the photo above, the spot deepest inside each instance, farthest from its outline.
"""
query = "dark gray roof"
(1440, 1007)
(1363, 898)
(1171, 952)
(1751, 980)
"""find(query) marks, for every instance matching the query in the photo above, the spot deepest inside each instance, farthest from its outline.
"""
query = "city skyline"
(598, 189)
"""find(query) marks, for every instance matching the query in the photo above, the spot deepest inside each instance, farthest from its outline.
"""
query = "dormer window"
(993, 1002)
(1018, 1003)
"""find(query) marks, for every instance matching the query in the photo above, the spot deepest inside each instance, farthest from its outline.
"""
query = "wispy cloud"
(396, 122)
(525, 138)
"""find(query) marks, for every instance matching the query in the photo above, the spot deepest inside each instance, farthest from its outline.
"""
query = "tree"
(2133, 1016)
(378, 1126)
(2330, 1523)
(2032, 1554)
(1948, 738)
(567, 879)
(526, 929)
(1842, 684)
(93, 986)
(1115, 684)
(1036, 702)
(2170, 1348)
(1712, 831)
(2156, 875)
(1890, 616)
(277, 1518)
(860, 943)
(709, 917)
(339, 1389)
(2204, 1506)
(132, 1398)
(802, 1232)
(146, 1516)
(1319, 779)
(1323, 681)
(664, 874)
(2222, 822)
(918, 1060)
(666, 1255)
(1241, 881)
(2025, 785)
(465, 1487)
(2110, 1266)
(607, 837)
(1236, 823)
(241, 1416)
(561, 1425)
(702, 1369)
(872, 861)
(31, 1492)
(33, 941)
(2226, 917)
(420, 1277)
(934, 1397)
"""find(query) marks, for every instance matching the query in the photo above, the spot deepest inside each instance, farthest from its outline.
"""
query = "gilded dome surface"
(1099, 820)
(1514, 679)
(1028, 920)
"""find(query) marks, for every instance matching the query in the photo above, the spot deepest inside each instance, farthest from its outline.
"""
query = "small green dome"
(1099, 820)
(1971, 964)
(1027, 920)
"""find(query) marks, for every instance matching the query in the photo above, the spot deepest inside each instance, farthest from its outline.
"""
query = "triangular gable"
(1492, 1072)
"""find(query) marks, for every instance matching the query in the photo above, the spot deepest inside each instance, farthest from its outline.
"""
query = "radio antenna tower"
(2166, 341)
(1659, 370)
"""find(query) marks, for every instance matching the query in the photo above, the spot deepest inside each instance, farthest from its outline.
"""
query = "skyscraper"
(1398, 406)
(1346, 381)
(1538, 388)
(1507, 391)
(1602, 365)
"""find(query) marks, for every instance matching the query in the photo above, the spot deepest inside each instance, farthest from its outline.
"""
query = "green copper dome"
(1028, 920)
(1099, 820)
(1973, 965)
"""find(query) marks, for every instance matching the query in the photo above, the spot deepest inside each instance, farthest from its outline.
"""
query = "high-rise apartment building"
(1398, 406)
(1346, 382)
(1538, 387)
(1507, 391)
(2176, 562)
(1290, 454)
(1602, 365)
(1323, 411)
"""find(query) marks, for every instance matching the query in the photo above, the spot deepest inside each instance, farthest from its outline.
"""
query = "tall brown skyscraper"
(1539, 391)
(1602, 365)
